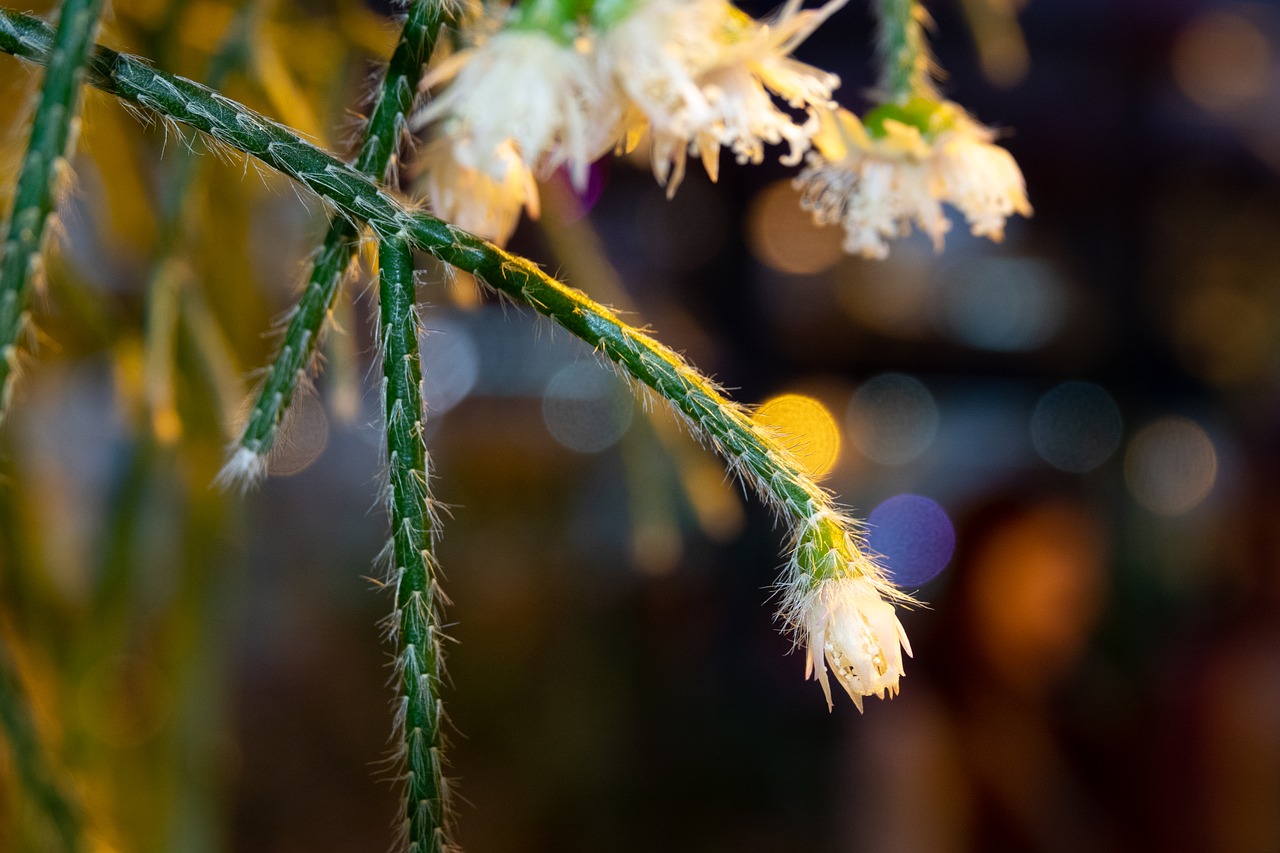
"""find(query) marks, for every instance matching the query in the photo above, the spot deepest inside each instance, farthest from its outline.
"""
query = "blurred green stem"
(168, 288)
(906, 65)
(112, 614)
(34, 772)
(50, 146)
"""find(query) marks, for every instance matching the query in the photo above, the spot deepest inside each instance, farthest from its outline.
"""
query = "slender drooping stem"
(825, 544)
(34, 773)
(377, 158)
(906, 65)
(48, 151)
(412, 570)
(164, 301)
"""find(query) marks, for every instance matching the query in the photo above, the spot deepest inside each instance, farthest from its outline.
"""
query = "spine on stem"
(53, 132)
(377, 158)
(834, 597)
(412, 572)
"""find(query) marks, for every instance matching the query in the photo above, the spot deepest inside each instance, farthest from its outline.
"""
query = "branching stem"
(377, 158)
(753, 451)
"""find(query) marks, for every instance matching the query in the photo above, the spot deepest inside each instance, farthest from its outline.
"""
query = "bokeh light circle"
(1223, 333)
(1170, 466)
(1006, 304)
(913, 537)
(450, 365)
(892, 418)
(303, 436)
(1076, 426)
(1222, 61)
(586, 407)
(784, 236)
(807, 429)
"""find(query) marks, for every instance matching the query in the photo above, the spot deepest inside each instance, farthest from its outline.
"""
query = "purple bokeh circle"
(913, 537)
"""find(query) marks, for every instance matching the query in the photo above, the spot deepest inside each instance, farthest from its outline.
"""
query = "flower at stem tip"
(896, 167)
(849, 623)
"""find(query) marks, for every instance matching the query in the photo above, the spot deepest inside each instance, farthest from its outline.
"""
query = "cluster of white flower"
(698, 75)
(551, 89)
(877, 180)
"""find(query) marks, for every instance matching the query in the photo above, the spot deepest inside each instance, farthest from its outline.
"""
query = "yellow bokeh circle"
(806, 428)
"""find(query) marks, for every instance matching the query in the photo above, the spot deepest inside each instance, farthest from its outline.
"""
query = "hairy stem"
(52, 140)
(35, 776)
(906, 66)
(752, 451)
(377, 158)
(412, 570)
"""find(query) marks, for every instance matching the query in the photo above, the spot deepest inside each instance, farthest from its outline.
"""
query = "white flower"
(527, 89)
(875, 188)
(704, 75)
(849, 624)
(878, 186)
(981, 179)
(473, 199)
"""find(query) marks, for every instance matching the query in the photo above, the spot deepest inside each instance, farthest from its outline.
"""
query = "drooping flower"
(875, 188)
(473, 198)
(849, 624)
(880, 177)
(704, 75)
(836, 600)
(527, 90)
(981, 179)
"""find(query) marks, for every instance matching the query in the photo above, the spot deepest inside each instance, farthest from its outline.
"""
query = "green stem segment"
(34, 773)
(377, 158)
(413, 569)
(752, 451)
(52, 140)
(906, 66)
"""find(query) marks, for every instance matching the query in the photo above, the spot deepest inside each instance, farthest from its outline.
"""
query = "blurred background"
(1065, 443)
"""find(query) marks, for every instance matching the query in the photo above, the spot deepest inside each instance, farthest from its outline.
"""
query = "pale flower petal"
(850, 625)
(524, 88)
(705, 76)
(875, 198)
(981, 179)
(473, 199)
(878, 187)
